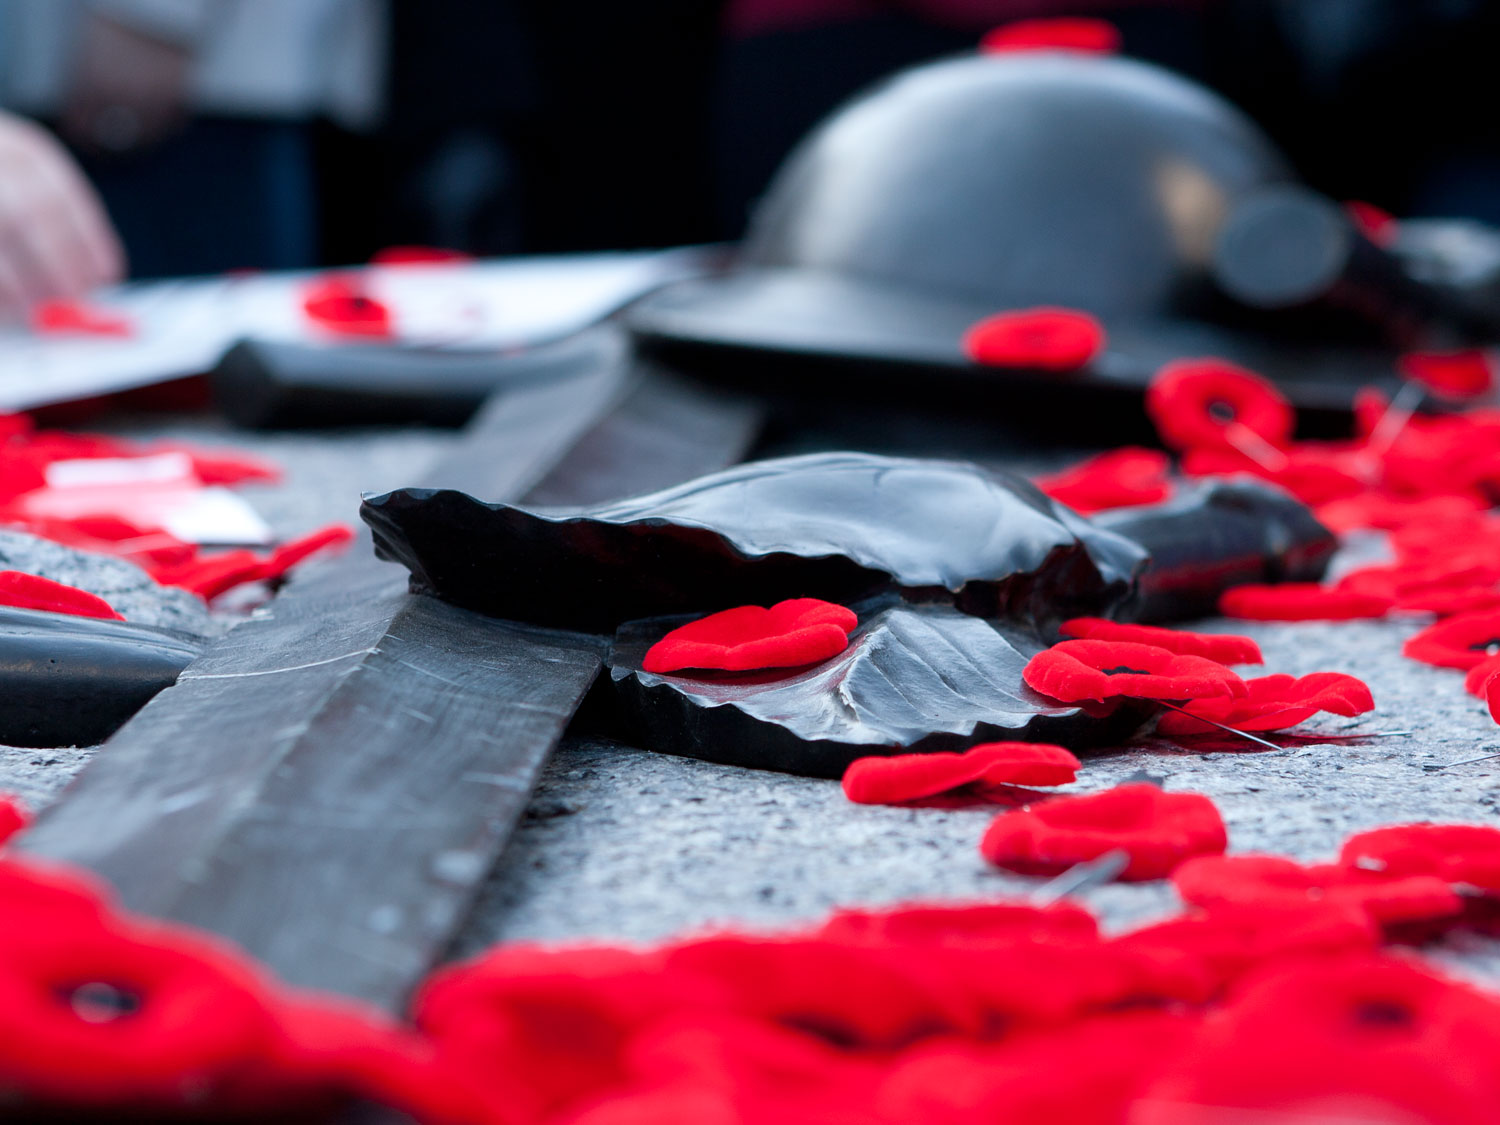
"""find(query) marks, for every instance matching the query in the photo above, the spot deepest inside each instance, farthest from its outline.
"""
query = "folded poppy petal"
(1273, 703)
(1157, 830)
(208, 576)
(910, 777)
(1076, 670)
(1358, 1038)
(1275, 881)
(1460, 374)
(1456, 853)
(1092, 36)
(1120, 478)
(13, 817)
(1223, 648)
(1375, 223)
(339, 305)
(1459, 642)
(787, 635)
(1194, 403)
(289, 554)
(1299, 601)
(78, 318)
(30, 591)
(1046, 339)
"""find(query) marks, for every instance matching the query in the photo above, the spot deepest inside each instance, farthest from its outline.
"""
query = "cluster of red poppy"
(1112, 660)
(1430, 481)
(110, 526)
(1280, 988)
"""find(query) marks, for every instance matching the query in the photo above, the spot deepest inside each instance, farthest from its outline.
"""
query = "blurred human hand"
(128, 89)
(55, 239)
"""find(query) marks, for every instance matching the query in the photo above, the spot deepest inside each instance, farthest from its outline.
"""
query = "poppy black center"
(1221, 411)
(1490, 647)
(1383, 1013)
(1122, 668)
(98, 1002)
(360, 304)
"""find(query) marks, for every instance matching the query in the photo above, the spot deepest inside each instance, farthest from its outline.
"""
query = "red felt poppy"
(1157, 830)
(1375, 223)
(1046, 339)
(1450, 602)
(30, 591)
(1479, 675)
(1313, 475)
(1092, 36)
(1199, 403)
(1229, 941)
(13, 817)
(418, 256)
(13, 426)
(968, 924)
(109, 1013)
(1459, 642)
(1071, 671)
(1272, 703)
(1299, 601)
(1117, 479)
(1491, 690)
(1429, 585)
(1223, 648)
(790, 634)
(1455, 853)
(208, 576)
(294, 551)
(1460, 374)
(911, 777)
(1275, 881)
(227, 467)
(341, 306)
(1388, 513)
(77, 318)
(1370, 1038)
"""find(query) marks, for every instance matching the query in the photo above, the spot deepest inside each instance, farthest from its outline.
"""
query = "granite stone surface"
(624, 844)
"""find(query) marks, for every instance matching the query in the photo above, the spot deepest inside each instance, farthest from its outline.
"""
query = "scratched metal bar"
(329, 785)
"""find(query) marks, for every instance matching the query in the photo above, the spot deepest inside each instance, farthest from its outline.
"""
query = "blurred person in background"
(195, 118)
(55, 239)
